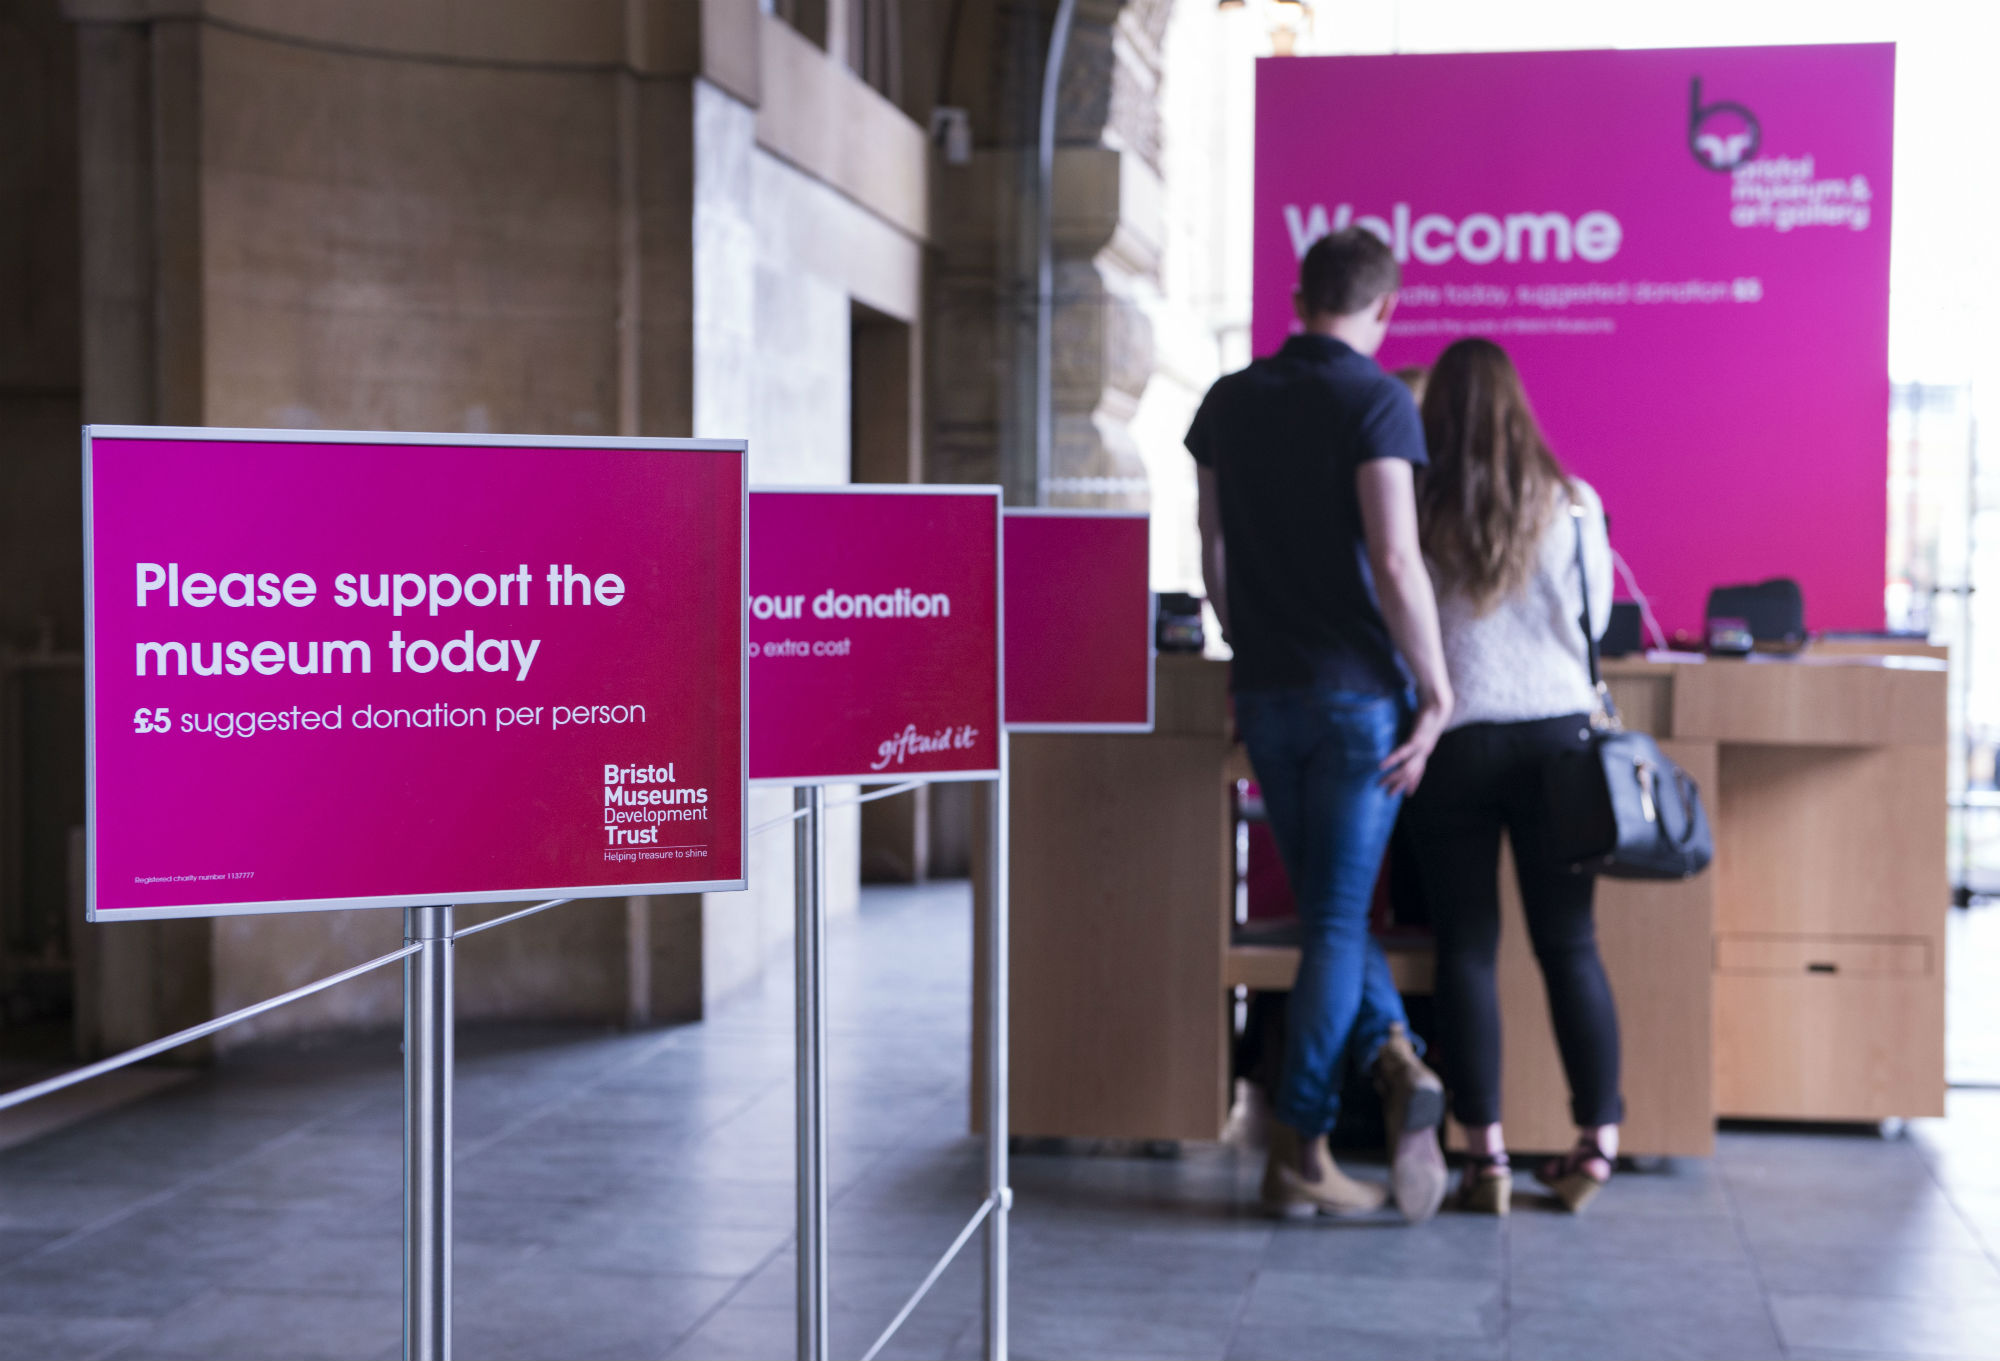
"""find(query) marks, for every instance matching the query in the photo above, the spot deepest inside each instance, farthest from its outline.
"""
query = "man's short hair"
(1346, 272)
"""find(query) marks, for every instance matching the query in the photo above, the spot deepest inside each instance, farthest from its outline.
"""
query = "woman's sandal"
(1569, 1176)
(1486, 1184)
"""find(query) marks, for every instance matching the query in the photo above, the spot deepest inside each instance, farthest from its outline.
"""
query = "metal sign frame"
(405, 900)
(999, 626)
(810, 1014)
(1152, 627)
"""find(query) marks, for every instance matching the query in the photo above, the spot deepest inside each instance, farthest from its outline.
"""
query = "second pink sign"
(874, 634)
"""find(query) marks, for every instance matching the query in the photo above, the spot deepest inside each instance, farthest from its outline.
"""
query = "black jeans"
(1482, 778)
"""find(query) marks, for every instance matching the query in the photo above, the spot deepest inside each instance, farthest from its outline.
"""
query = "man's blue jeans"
(1316, 753)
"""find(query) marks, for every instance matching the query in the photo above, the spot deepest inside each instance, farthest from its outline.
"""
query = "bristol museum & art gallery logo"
(1722, 135)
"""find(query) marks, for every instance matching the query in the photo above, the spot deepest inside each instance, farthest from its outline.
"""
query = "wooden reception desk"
(1800, 978)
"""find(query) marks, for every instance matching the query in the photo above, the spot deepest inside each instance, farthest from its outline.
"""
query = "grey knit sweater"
(1524, 659)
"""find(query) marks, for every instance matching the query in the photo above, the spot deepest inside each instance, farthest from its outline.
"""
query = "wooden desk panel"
(1832, 840)
(1806, 1046)
(1645, 700)
(1856, 702)
(1124, 855)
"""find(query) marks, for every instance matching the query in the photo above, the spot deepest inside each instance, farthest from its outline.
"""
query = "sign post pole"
(998, 1187)
(809, 874)
(427, 1074)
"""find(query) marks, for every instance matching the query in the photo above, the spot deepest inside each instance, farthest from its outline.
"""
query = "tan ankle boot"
(1412, 1109)
(1300, 1179)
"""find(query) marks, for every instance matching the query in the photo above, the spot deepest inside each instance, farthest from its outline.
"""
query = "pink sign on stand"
(1686, 253)
(874, 634)
(333, 669)
(1079, 621)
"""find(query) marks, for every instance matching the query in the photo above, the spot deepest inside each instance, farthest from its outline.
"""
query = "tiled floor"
(629, 1195)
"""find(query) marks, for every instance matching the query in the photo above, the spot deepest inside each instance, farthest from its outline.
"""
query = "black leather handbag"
(1618, 806)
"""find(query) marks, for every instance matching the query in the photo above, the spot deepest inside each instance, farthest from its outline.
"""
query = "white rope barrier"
(475, 929)
(964, 1234)
(22, 1095)
(798, 813)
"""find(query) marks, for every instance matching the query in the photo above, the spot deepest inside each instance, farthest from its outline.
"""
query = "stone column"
(1108, 229)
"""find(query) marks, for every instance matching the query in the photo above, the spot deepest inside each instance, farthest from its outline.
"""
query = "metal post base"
(427, 1070)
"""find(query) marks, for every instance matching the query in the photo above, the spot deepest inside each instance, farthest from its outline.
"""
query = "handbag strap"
(1606, 708)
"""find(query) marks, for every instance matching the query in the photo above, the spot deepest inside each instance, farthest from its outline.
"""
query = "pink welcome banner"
(874, 634)
(354, 670)
(1686, 252)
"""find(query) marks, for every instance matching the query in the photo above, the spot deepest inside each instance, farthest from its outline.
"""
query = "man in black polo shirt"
(1309, 549)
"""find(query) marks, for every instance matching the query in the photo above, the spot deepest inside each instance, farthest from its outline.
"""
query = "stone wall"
(41, 526)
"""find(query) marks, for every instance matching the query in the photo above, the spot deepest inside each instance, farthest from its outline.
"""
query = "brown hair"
(1346, 271)
(1490, 490)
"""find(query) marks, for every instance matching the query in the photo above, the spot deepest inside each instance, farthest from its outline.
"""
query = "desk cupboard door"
(1122, 867)
(1804, 1044)
(1829, 965)
(1656, 939)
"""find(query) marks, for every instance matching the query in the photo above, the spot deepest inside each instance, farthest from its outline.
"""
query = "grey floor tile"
(911, 1226)
(1450, 1247)
(1832, 1168)
(1117, 1326)
(636, 1113)
(1263, 1342)
(1685, 1186)
(1960, 1149)
(1627, 1285)
(732, 1204)
(1573, 1334)
(1981, 1211)
(37, 1337)
(923, 1337)
(875, 1285)
(223, 1325)
(1849, 1268)
(18, 1243)
(63, 1202)
(1579, 1241)
(137, 1146)
(542, 1311)
(1130, 1268)
(1887, 1176)
(575, 1169)
(1909, 1327)
(1847, 1353)
(1843, 1354)
(1408, 1306)
(148, 1264)
(328, 1264)
(314, 1171)
(1921, 1224)
(608, 1239)
(515, 1221)
(740, 1332)
(317, 1261)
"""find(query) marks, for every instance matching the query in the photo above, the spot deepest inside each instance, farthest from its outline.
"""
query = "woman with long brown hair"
(1500, 522)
